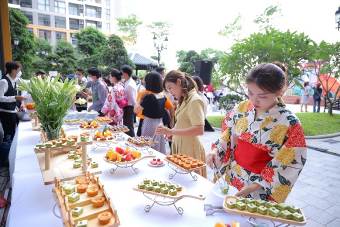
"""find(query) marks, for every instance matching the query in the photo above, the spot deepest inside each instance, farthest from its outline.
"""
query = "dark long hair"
(187, 83)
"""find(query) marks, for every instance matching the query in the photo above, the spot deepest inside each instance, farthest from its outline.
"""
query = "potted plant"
(52, 98)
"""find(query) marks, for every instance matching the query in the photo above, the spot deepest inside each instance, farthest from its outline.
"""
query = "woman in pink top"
(116, 100)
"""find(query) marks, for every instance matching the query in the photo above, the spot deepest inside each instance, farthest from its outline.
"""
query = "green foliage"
(42, 57)
(273, 45)
(187, 60)
(228, 102)
(53, 99)
(114, 55)
(128, 26)
(264, 19)
(90, 40)
(25, 50)
(232, 29)
(159, 29)
(64, 58)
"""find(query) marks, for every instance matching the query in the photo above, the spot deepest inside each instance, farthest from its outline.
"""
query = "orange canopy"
(333, 84)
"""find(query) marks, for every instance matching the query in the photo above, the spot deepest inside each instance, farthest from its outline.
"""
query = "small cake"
(77, 211)
(241, 199)
(73, 197)
(104, 217)
(68, 188)
(92, 190)
(94, 164)
(161, 184)
(81, 188)
(231, 203)
(39, 145)
(270, 204)
(282, 206)
(249, 200)
(82, 223)
(261, 202)
(82, 180)
(70, 142)
(48, 144)
(194, 165)
(240, 205)
(76, 156)
(286, 214)
(146, 181)
(262, 210)
(58, 143)
(272, 211)
(225, 189)
(154, 183)
(84, 138)
(297, 216)
(76, 165)
(157, 189)
(251, 208)
(149, 187)
(141, 186)
(98, 202)
(293, 209)
(173, 192)
(70, 156)
(164, 190)
(171, 186)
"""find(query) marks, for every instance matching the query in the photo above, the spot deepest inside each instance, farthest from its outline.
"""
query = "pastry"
(161, 184)
(149, 187)
(141, 186)
(270, 204)
(231, 203)
(286, 214)
(76, 156)
(104, 217)
(261, 202)
(92, 190)
(82, 180)
(251, 208)
(82, 223)
(98, 202)
(293, 209)
(240, 205)
(262, 210)
(178, 187)
(48, 144)
(281, 206)
(76, 165)
(146, 181)
(77, 211)
(73, 197)
(173, 192)
(298, 217)
(68, 188)
(154, 183)
(70, 156)
(164, 190)
(94, 164)
(272, 211)
(157, 189)
(81, 188)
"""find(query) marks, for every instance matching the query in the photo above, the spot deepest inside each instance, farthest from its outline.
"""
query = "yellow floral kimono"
(279, 134)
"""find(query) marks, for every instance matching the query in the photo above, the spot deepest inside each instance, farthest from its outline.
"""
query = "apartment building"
(54, 20)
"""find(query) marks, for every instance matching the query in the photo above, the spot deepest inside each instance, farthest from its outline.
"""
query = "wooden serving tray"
(257, 215)
(179, 195)
(182, 168)
(89, 212)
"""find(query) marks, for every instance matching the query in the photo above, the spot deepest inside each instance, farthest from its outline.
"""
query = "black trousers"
(9, 123)
(140, 125)
(128, 118)
(207, 126)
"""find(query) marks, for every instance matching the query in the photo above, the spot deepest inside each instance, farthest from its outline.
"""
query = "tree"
(187, 60)
(129, 26)
(64, 58)
(273, 45)
(326, 60)
(43, 54)
(25, 50)
(114, 55)
(264, 20)
(232, 29)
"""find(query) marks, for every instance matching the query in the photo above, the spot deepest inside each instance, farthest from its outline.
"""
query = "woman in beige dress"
(189, 117)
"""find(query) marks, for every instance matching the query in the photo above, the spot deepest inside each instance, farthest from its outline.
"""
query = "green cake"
(68, 188)
(272, 211)
(94, 164)
(282, 206)
(261, 202)
(173, 192)
(251, 208)
(161, 184)
(149, 187)
(73, 197)
(157, 189)
(298, 217)
(141, 186)
(76, 165)
(240, 205)
(77, 211)
(82, 223)
(262, 210)
(178, 187)
(146, 181)
(286, 214)
(154, 183)
(164, 190)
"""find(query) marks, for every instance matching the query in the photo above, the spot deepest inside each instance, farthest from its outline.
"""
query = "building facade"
(54, 20)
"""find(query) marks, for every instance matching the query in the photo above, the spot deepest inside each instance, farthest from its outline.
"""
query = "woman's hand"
(212, 159)
(161, 130)
(248, 189)
(138, 109)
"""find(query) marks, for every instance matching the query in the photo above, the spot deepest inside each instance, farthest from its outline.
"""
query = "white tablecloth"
(32, 201)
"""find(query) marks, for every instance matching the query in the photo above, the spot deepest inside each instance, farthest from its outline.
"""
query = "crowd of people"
(261, 151)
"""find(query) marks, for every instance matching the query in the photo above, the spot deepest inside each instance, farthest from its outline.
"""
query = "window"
(26, 3)
(107, 14)
(29, 15)
(76, 24)
(107, 3)
(60, 35)
(60, 22)
(108, 26)
(92, 11)
(75, 9)
(44, 34)
(44, 5)
(15, 2)
(74, 40)
(44, 19)
(59, 6)
(91, 23)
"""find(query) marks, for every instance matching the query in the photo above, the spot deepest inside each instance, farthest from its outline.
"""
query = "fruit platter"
(124, 157)
(103, 136)
(183, 164)
(141, 141)
(84, 203)
(89, 124)
(156, 162)
(255, 208)
(163, 193)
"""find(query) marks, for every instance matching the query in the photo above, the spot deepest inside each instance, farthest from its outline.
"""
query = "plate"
(217, 190)
(149, 163)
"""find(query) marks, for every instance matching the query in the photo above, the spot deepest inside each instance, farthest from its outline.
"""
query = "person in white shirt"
(9, 98)
(130, 90)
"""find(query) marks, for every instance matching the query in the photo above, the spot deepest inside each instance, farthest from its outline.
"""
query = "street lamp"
(16, 42)
(337, 18)
(160, 44)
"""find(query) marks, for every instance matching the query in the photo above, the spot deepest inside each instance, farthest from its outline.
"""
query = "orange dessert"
(104, 217)
(92, 190)
(82, 180)
(98, 202)
(81, 188)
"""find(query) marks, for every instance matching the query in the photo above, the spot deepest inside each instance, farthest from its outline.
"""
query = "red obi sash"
(250, 157)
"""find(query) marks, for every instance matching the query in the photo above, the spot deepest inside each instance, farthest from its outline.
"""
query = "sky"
(195, 23)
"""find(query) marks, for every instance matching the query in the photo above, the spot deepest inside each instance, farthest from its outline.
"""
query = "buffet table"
(33, 202)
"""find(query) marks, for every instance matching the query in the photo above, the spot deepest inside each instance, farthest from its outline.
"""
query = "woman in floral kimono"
(116, 100)
(262, 149)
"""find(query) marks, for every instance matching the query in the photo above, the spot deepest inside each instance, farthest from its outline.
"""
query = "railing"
(336, 104)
